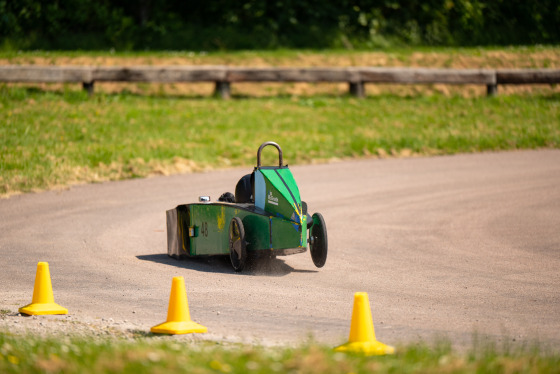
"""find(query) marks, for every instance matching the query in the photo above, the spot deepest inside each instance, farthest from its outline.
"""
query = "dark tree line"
(251, 24)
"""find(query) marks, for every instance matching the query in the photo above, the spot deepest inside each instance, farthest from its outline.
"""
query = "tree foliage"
(247, 24)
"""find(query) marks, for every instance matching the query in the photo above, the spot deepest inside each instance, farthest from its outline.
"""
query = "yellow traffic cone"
(43, 299)
(178, 315)
(362, 336)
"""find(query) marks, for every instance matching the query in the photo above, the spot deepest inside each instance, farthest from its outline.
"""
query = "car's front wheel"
(318, 243)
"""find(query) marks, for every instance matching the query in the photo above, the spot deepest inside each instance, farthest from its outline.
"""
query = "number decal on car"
(204, 229)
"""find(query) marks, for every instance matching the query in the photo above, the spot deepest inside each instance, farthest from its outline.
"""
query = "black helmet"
(244, 190)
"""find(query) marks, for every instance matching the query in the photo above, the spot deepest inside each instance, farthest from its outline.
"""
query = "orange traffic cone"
(178, 315)
(362, 335)
(43, 299)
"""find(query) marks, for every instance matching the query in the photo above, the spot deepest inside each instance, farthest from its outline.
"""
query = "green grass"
(148, 354)
(51, 138)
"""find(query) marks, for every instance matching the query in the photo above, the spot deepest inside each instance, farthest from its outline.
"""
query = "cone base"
(373, 348)
(178, 327)
(42, 309)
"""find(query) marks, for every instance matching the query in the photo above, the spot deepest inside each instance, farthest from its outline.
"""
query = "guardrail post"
(357, 89)
(491, 89)
(88, 86)
(222, 89)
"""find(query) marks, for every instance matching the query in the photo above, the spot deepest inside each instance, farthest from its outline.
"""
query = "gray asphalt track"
(452, 247)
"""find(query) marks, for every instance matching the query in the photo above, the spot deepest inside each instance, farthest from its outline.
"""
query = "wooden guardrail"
(224, 76)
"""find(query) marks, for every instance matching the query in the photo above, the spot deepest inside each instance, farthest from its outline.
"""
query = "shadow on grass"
(220, 264)
(551, 97)
(70, 92)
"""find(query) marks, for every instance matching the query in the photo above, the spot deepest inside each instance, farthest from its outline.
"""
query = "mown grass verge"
(29, 354)
(534, 56)
(59, 138)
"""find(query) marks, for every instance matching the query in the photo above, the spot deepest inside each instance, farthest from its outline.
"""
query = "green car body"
(274, 221)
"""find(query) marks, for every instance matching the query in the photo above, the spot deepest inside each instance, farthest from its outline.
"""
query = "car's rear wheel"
(237, 244)
(318, 243)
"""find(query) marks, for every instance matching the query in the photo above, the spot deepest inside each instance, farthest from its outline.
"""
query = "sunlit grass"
(64, 137)
(28, 354)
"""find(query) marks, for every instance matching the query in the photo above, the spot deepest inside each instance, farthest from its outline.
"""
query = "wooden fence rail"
(224, 76)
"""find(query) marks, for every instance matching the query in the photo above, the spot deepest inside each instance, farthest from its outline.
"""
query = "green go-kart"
(265, 218)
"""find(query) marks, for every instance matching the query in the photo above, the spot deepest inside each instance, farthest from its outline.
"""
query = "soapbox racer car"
(265, 218)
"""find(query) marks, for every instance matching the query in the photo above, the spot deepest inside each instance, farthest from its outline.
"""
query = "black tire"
(318, 243)
(237, 244)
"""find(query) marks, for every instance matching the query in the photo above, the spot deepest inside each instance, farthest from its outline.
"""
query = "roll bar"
(280, 161)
